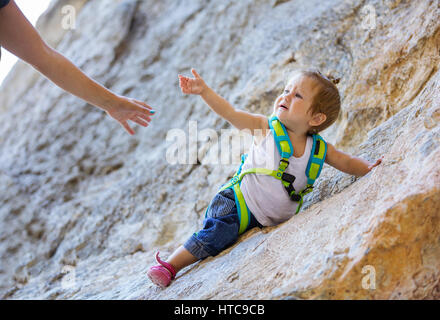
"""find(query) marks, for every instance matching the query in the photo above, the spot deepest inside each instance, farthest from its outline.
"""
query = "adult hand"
(130, 109)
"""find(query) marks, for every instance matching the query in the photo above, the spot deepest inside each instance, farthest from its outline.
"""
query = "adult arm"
(18, 36)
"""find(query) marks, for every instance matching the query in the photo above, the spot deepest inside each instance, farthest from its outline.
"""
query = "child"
(309, 104)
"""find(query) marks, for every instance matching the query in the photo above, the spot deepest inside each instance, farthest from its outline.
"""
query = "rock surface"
(84, 206)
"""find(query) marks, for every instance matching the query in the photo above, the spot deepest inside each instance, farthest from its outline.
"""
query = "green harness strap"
(285, 148)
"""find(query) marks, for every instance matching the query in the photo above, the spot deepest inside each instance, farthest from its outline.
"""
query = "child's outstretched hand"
(190, 85)
(378, 161)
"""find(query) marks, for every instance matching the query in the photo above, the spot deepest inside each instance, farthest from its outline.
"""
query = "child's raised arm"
(347, 163)
(238, 118)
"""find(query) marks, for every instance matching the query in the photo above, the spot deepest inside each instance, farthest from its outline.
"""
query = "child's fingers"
(183, 78)
(184, 89)
(182, 84)
(183, 81)
(378, 161)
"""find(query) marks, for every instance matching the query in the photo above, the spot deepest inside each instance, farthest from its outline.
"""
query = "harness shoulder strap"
(281, 137)
(316, 160)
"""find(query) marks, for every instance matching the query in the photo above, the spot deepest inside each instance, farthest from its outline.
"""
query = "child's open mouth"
(283, 107)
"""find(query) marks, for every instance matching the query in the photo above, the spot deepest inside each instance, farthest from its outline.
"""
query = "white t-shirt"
(265, 195)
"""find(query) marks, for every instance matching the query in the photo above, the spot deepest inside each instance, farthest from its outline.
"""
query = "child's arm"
(347, 163)
(238, 118)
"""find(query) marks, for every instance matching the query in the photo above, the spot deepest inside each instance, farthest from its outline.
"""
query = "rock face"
(84, 206)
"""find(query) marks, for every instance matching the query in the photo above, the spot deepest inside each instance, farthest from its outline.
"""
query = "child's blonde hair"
(326, 100)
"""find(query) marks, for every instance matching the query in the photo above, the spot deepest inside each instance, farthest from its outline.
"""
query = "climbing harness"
(285, 148)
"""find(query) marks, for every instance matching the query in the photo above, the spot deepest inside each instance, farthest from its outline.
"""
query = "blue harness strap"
(282, 140)
(316, 160)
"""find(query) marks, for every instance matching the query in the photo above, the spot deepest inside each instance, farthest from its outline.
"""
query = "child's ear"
(318, 119)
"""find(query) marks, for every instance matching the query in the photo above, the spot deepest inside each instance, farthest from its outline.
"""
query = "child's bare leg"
(181, 258)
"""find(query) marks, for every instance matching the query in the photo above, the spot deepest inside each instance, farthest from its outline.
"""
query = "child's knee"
(216, 236)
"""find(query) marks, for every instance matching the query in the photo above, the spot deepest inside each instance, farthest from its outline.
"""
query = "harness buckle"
(283, 164)
(288, 177)
(295, 197)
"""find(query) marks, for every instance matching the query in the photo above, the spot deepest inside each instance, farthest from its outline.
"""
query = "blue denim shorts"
(220, 227)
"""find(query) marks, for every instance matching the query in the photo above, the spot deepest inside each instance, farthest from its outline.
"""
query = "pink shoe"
(162, 274)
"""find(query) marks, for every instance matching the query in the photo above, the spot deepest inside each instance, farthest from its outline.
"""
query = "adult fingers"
(127, 127)
(143, 104)
(143, 117)
(144, 108)
(139, 121)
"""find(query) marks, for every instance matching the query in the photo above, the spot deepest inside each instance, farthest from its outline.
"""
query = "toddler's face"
(292, 105)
